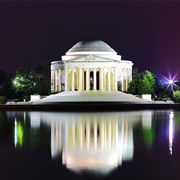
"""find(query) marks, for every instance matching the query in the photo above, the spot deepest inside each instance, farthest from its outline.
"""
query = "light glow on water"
(15, 133)
(18, 133)
(171, 132)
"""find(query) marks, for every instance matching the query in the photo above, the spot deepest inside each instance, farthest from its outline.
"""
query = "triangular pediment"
(91, 58)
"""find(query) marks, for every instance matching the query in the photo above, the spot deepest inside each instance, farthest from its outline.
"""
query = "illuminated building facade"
(90, 65)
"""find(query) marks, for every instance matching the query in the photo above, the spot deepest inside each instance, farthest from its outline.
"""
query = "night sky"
(145, 32)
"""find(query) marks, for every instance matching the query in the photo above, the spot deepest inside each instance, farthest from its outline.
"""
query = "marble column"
(66, 78)
(55, 89)
(104, 80)
(109, 78)
(122, 78)
(115, 79)
(94, 80)
(101, 78)
(52, 80)
(59, 80)
(87, 79)
(72, 80)
(130, 75)
(80, 79)
(126, 79)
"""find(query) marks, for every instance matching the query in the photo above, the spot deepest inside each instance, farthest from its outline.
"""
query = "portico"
(92, 78)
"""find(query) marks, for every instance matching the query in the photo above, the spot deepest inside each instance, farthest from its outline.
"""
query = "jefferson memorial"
(90, 65)
(91, 71)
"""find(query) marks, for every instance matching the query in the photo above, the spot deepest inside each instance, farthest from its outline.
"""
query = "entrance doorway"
(91, 80)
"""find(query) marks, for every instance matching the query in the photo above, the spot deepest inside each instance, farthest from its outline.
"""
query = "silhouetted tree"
(6, 88)
(44, 83)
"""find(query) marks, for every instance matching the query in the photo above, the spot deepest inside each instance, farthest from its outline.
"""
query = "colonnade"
(90, 78)
(56, 80)
(126, 78)
(103, 79)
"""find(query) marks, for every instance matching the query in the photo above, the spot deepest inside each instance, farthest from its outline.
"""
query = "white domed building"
(90, 66)
(91, 71)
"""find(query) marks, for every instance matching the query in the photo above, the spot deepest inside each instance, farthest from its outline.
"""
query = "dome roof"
(89, 46)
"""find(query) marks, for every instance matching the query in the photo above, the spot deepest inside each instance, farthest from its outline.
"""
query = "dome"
(91, 46)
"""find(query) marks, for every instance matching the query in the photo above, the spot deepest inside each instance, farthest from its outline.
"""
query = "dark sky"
(145, 32)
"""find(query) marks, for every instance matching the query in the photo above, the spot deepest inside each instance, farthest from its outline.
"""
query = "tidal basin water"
(90, 145)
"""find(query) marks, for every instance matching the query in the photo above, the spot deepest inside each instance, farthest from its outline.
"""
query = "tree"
(2, 99)
(162, 91)
(44, 82)
(148, 83)
(135, 86)
(5, 84)
(176, 95)
(26, 80)
(136, 83)
(142, 83)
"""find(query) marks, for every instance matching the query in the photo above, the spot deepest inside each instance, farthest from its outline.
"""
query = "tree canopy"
(142, 83)
(26, 80)
(176, 95)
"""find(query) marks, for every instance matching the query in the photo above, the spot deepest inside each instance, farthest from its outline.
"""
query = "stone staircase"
(92, 96)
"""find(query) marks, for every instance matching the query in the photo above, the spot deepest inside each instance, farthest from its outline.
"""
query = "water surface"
(89, 145)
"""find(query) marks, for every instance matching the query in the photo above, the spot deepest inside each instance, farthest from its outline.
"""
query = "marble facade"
(90, 66)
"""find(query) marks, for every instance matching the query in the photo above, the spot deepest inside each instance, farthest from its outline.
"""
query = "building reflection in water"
(95, 141)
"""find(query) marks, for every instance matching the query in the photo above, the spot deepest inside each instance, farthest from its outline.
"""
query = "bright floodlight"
(170, 81)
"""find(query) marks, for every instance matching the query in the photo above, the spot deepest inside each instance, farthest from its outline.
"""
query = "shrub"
(176, 95)
(3, 99)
